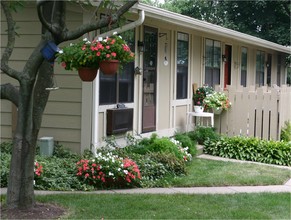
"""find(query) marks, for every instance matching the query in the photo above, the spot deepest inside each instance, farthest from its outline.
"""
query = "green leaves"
(251, 149)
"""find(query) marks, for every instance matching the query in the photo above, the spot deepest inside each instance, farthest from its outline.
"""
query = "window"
(244, 66)
(182, 65)
(212, 62)
(260, 68)
(119, 87)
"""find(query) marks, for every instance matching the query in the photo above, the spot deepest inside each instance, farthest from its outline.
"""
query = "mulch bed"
(39, 211)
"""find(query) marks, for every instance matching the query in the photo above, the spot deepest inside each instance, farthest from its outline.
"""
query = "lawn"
(120, 206)
(203, 172)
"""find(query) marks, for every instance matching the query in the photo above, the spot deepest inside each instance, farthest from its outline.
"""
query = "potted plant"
(113, 51)
(218, 101)
(87, 56)
(80, 56)
(199, 96)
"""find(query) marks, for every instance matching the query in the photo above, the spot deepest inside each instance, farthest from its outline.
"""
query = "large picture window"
(212, 62)
(260, 60)
(182, 65)
(244, 66)
(119, 88)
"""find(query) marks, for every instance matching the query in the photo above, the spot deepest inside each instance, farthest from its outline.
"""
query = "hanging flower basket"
(109, 67)
(87, 74)
(217, 111)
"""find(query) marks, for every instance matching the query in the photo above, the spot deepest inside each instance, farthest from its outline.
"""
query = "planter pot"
(217, 111)
(49, 50)
(87, 74)
(198, 108)
(109, 67)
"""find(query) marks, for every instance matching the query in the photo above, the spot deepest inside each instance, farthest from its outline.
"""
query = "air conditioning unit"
(119, 120)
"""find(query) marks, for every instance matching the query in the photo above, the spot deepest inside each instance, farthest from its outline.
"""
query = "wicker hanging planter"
(109, 67)
(87, 74)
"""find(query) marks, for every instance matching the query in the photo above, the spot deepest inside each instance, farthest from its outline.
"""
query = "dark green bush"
(156, 144)
(286, 132)
(6, 147)
(173, 165)
(4, 168)
(58, 174)
(202, 133)
(186, 142)
(252, 149)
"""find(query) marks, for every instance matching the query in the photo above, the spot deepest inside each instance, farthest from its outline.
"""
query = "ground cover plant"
(252, 149)
(141, 206)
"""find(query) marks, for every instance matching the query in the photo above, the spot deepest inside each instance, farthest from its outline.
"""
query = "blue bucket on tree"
(49, 50)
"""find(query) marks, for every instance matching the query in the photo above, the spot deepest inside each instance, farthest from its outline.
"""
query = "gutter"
(125, 27)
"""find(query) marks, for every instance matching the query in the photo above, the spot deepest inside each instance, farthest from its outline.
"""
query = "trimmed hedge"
(251, 149)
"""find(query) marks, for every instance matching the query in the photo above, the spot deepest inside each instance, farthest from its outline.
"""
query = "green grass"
(120, 206)
(203, 172)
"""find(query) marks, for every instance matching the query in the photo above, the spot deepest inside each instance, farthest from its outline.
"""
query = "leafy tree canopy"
(265, 19)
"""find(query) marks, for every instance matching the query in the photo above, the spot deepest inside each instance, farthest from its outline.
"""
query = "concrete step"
(199, 149)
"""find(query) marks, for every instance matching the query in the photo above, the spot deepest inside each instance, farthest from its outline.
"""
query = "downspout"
(126, 27)
(95, 113)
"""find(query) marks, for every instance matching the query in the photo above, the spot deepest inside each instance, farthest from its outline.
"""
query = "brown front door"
(149, 79)
(227, 65)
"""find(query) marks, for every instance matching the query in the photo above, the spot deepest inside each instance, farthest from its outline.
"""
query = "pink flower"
(86, 175)
(113, 54)
(107, 47)
(108, 55)
(98, 54)
(64, 64)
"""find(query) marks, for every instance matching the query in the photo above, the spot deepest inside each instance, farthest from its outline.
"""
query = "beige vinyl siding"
(62, 116)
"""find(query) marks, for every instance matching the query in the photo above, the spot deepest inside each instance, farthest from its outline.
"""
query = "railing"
(257, 112)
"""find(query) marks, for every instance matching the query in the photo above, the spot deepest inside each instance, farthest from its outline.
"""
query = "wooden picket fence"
(255, 112)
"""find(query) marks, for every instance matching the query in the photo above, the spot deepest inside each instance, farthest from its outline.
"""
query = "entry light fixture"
(224, 58)
(140, 46)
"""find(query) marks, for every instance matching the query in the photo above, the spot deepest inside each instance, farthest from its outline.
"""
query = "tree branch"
(42, 19)
(9, 92)
(71, 35)
(10, 43)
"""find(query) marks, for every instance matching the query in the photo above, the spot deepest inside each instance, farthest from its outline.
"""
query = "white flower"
(61, 51)
(85, 39)
(119, 169)
(110, 174)
(125, 171)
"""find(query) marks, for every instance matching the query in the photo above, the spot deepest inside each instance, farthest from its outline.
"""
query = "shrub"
(108, 170)
(6, 148)
(4, 168)
(252, 149)
(164, 145)
(58, 174)
(286, 132)
(201, 134)
(186, 141)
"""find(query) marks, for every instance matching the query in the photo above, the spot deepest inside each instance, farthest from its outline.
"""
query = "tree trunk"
(32, 103)
(20, 184)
